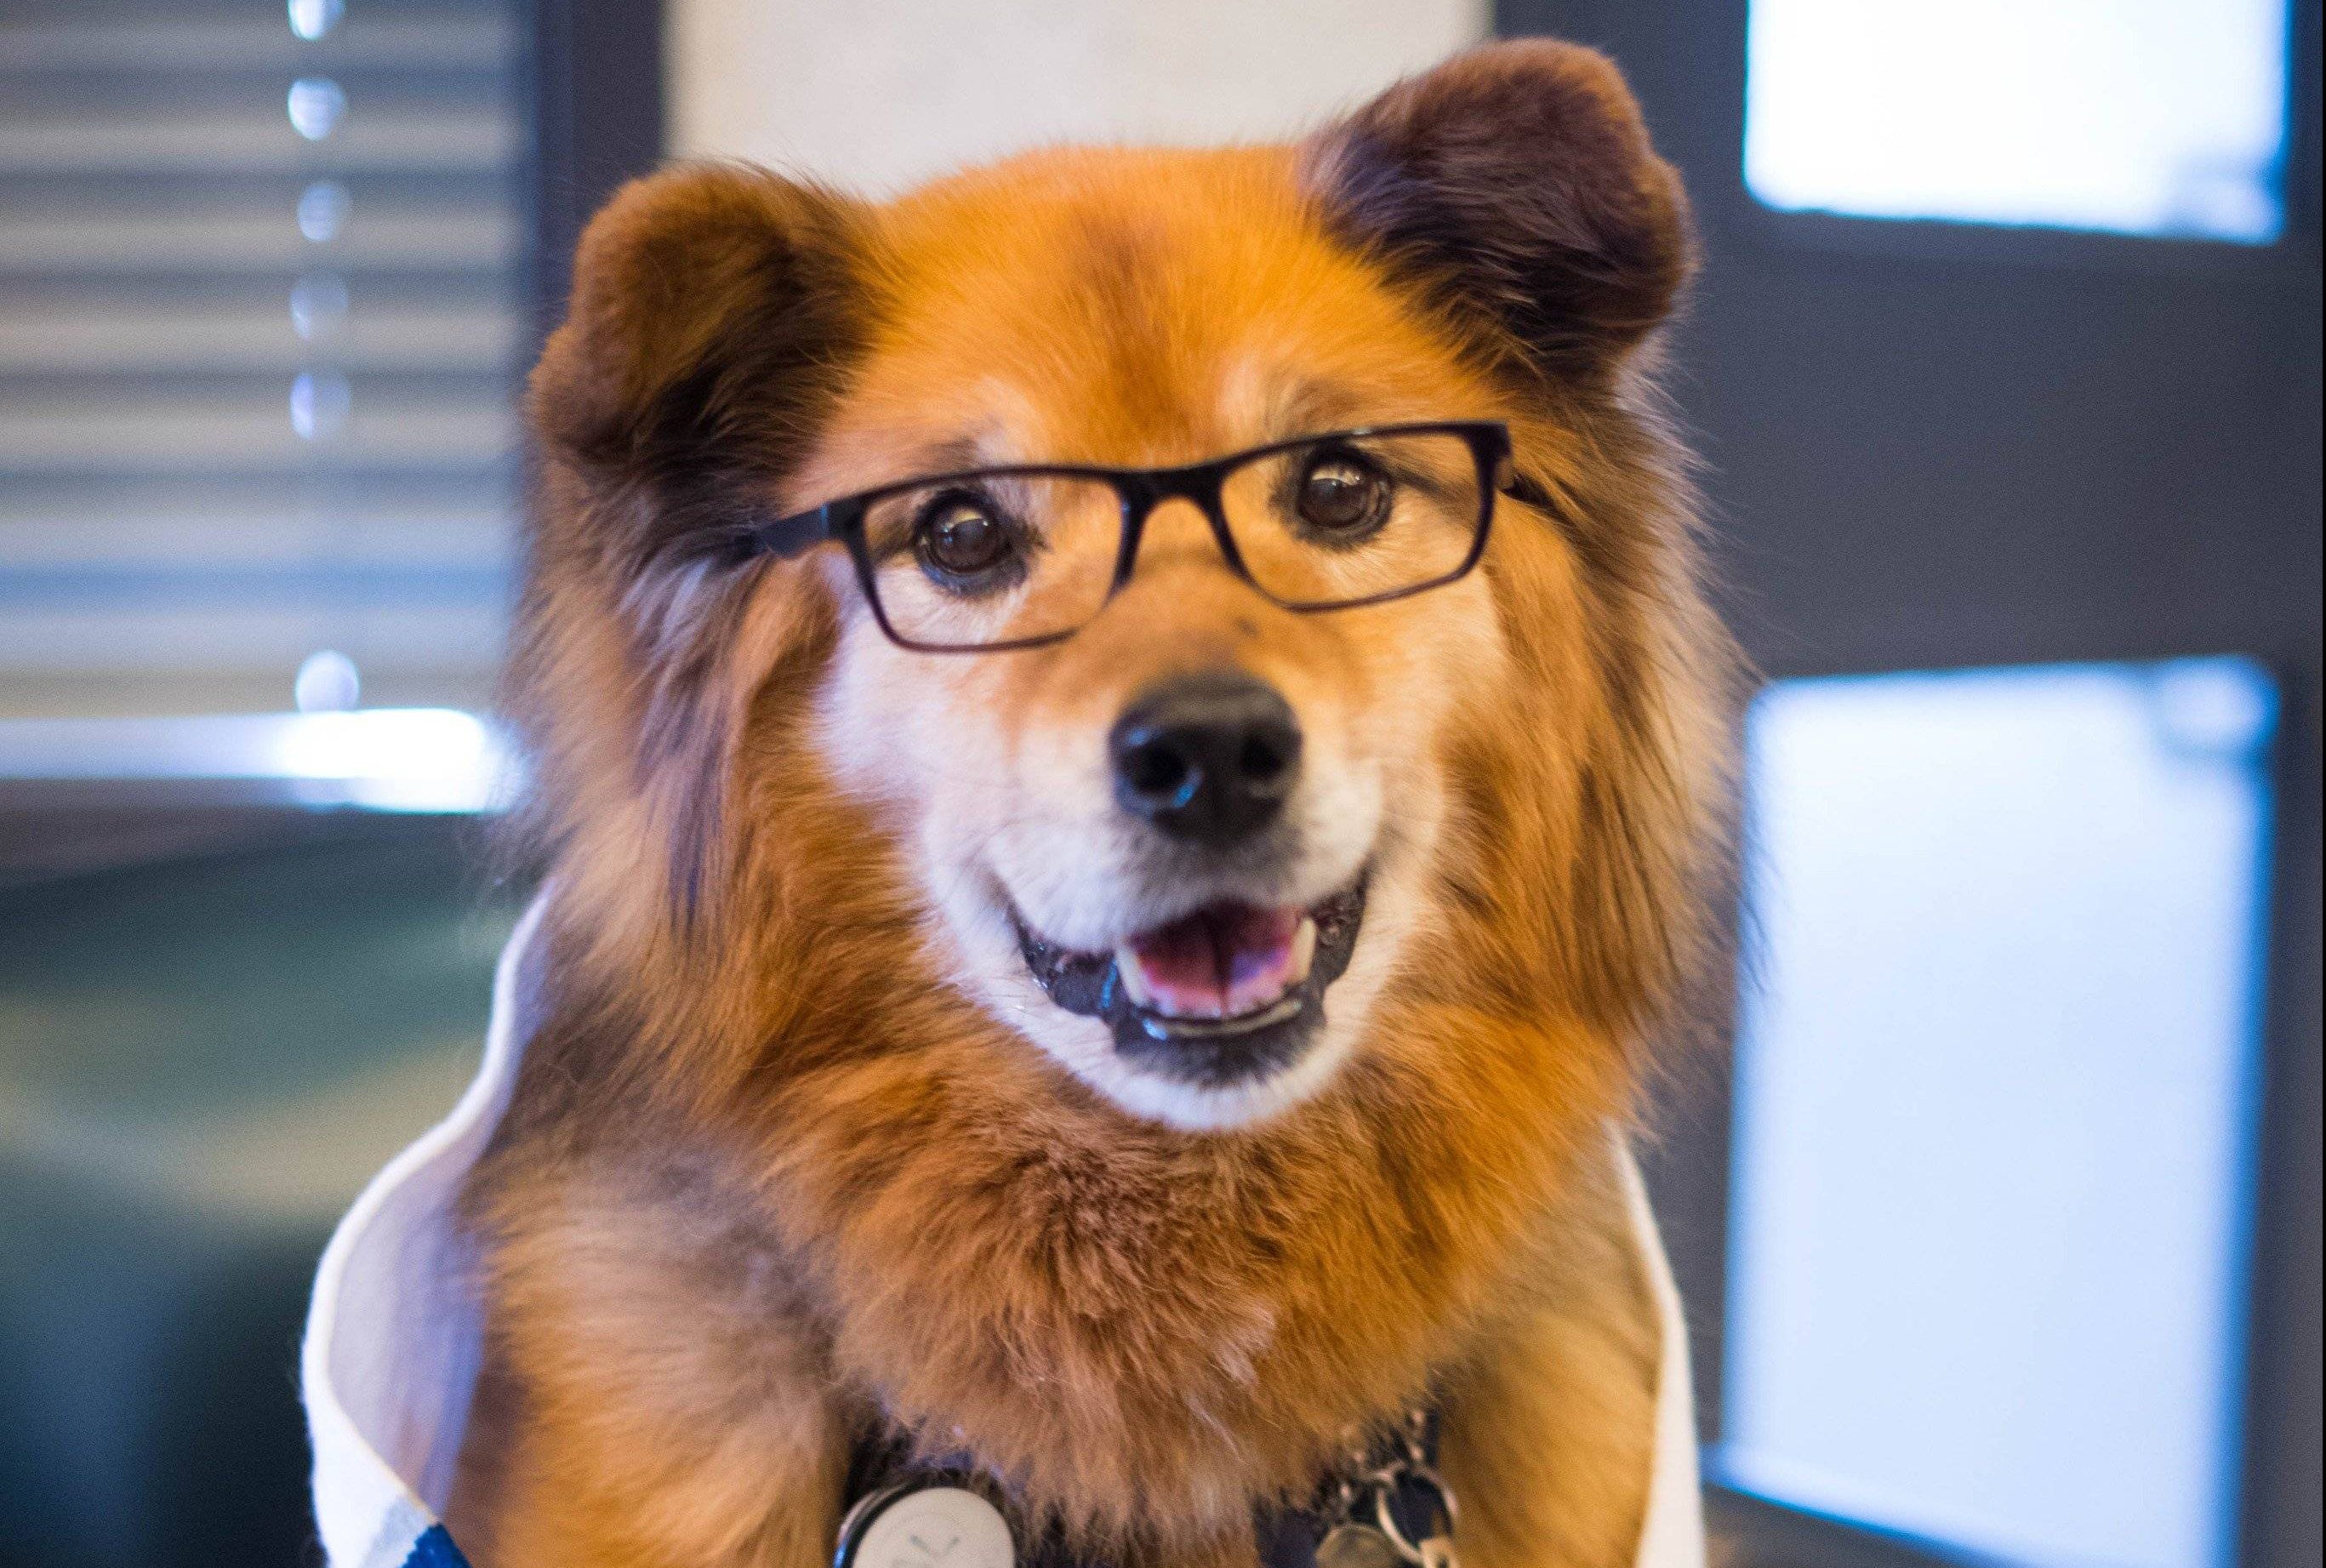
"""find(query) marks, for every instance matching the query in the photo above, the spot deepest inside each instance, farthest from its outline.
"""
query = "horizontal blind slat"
(183, 338)
(151, 434)
(239, 142)
(97, 243)
(231, 46)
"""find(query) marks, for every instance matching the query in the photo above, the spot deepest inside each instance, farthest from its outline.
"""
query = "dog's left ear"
(1519, 177)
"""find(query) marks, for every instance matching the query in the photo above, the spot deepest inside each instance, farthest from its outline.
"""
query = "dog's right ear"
(714, 308)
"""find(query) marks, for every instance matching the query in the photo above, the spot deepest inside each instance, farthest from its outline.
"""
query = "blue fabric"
(435, 1550)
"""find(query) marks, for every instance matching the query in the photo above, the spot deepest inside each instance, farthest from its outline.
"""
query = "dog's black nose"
(1208, 758)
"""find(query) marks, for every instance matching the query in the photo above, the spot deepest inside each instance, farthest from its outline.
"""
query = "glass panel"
(1994, 1104)
(1348, 521)
(2141, 117)
(965, 563)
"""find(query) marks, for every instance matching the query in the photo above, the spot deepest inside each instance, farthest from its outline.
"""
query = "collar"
(395, 1334)
(1384, 1507)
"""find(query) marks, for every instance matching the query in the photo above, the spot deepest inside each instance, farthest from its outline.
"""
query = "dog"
(1115, 977)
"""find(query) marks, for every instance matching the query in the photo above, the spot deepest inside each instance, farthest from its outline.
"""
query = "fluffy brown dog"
(923, 1048)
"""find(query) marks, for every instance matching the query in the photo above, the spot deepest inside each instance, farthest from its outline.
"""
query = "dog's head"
(1201, 848)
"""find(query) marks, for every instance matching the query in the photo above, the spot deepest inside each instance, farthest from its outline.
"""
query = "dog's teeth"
(1132, 976)
(1304, 953)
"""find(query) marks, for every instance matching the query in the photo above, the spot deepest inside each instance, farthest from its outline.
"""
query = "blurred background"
(1996, 1199)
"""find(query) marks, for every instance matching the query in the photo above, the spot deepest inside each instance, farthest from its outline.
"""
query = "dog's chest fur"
(1137, 1330)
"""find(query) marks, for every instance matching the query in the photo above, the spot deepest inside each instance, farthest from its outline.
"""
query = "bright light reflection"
(328, 682)
(392, 759)
(319, 305)
(313, 19)
(323, 211)
(319, 402)
(316, 104)
(383, 758)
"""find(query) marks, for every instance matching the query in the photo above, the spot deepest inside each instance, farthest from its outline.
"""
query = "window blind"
(262, 273)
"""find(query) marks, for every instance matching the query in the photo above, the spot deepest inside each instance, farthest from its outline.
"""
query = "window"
(260, 308)
(1993, 1106)
(2139, 117)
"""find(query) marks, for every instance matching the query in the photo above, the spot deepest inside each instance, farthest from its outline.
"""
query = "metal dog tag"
(926, 1526)
(1356, 1546)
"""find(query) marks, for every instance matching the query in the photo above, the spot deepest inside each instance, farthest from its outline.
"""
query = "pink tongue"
(1221, 961)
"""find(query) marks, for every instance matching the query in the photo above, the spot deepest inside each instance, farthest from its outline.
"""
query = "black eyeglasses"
(992, 559)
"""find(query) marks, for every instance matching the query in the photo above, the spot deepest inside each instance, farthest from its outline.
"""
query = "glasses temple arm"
(787, 537)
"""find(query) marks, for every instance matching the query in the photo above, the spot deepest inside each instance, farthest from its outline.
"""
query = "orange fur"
(770, 1167)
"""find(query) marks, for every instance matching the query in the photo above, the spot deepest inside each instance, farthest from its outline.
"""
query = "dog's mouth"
(1229, 993)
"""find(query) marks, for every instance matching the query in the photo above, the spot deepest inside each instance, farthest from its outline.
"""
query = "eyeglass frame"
(1139, 491)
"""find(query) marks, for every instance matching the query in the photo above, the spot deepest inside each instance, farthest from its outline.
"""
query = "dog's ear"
(712, 310)
(1518, 178)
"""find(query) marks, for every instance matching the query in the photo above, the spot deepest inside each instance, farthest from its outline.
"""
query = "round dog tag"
(1357, 1547)
(929, 1526)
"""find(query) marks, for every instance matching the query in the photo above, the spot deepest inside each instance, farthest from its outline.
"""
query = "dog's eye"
(960, 536)
(1341, 495)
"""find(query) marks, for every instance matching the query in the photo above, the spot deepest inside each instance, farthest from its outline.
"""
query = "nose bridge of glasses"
(1173, 513)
